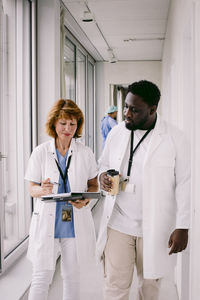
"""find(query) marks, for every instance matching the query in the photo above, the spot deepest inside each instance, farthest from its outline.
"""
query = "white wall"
(48, 49)
(120, 73)
(180, 105)
(177, 68)
(195, 248)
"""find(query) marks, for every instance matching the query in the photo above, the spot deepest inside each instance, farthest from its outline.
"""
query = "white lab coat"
(41, 239)
(165, 190)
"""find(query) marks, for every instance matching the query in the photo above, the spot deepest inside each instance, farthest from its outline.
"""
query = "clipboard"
(73, 196)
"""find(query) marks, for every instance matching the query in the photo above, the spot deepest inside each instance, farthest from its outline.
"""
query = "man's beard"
(136, 126)
(130, 126)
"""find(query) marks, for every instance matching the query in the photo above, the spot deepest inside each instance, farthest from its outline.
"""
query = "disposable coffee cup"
(114, 176)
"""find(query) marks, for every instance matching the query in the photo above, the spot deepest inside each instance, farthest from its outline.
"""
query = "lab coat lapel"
(54, 170)
(72, 169)
(156, 138)
(52, 153)
(124, 136)
(73, 147)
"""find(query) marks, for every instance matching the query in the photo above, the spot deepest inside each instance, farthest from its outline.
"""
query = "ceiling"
(134, 29)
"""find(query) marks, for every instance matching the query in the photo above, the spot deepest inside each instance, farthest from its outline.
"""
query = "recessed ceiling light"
(87, 16)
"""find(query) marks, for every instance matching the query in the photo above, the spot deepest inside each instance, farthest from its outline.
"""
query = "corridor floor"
(92, 286)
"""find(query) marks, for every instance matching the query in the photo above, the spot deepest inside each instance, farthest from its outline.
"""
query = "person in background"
(108, 122)
(58, 166)
(147, 223)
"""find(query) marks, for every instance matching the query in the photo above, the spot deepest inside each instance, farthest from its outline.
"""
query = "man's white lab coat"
(165, 192)
(41, 239)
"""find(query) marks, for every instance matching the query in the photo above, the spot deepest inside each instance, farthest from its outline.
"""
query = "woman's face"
(66, 128)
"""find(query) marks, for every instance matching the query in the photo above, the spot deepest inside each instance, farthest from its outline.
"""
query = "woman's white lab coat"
(41, 239)
(165, 190)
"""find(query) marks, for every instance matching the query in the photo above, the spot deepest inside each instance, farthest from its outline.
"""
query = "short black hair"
(147, 90)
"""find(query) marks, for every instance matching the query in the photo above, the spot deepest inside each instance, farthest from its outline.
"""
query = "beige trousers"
(121, 254)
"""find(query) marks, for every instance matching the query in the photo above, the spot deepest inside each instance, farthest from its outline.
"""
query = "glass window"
(69, 70)
(81, 86)
(15, 124)
(91, 105)
(78, 82)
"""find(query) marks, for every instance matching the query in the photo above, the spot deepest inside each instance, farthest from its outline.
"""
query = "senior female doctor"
(61, 165)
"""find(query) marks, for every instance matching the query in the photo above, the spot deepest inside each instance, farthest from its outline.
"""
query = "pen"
(53, 182)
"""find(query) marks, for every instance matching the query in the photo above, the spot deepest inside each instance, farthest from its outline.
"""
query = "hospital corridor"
(100, 98)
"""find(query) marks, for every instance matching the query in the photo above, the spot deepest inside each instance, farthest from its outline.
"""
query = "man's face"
(137, 113)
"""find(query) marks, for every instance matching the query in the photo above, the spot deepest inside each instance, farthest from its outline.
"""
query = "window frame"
(89, 59)
(22, 35)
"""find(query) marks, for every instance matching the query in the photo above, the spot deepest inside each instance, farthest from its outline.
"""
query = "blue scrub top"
(107, 123)
(63, 229)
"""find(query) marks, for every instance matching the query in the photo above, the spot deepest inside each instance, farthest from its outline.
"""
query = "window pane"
(69, 70)
(15, 129)
(2, 164)
(81, 86)
(91, 105)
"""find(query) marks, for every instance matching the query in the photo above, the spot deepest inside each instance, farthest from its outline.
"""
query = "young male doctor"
(147, 223)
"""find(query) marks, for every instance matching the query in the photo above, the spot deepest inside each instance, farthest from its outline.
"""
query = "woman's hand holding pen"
(38, 190)
(47, 186)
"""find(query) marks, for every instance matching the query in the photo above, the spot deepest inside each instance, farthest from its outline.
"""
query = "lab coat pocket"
(34, 225)
(164, 174)
(164, 162)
